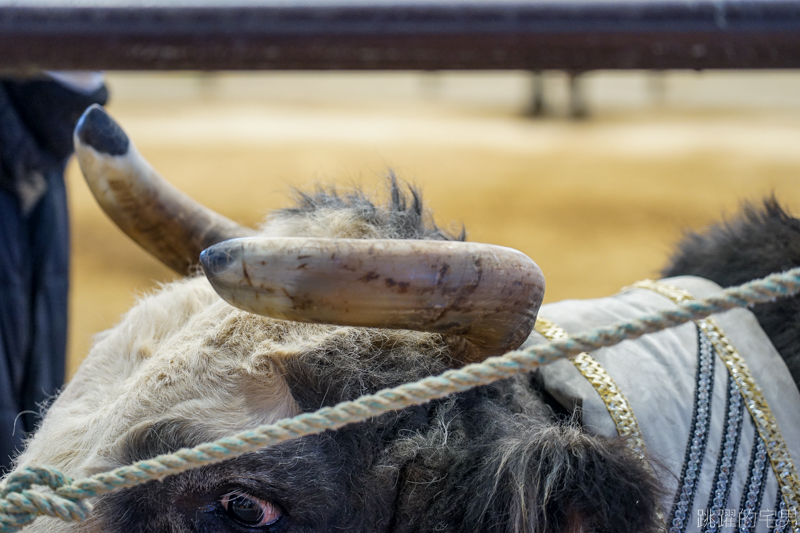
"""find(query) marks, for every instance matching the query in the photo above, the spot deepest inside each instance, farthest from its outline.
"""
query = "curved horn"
(489, 295)
(161, 219)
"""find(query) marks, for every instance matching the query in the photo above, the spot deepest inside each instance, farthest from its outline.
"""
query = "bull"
(340, 297)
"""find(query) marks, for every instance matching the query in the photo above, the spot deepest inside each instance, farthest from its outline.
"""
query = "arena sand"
(597, 203)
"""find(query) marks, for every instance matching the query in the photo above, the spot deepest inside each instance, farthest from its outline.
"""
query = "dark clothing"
(36, 122)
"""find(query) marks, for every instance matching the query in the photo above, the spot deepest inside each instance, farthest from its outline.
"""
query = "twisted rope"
(19, 505)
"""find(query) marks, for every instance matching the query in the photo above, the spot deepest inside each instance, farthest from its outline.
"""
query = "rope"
(19, 505)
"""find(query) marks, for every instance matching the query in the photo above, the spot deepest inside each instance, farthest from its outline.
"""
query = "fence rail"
(532, 35)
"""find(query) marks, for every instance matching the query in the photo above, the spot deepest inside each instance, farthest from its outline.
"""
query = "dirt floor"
(597, 204)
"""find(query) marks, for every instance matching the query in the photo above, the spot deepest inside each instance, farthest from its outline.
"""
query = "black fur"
(491, 459)
(488, 460)
(403, 217)
(759, 242)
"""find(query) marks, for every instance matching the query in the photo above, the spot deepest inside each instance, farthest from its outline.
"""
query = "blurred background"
(597, 202)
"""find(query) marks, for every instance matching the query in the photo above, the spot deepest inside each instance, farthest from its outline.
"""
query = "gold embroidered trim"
(760, 412)
(617, 404)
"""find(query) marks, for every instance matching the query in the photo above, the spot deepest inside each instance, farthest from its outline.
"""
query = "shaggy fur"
(328, 213)
(757, 243)
(488, 460)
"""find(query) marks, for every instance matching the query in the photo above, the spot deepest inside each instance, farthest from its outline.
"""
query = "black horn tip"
(97, 129)
(218, 258)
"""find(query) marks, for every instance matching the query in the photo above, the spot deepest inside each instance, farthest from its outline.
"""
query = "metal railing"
(569, 35)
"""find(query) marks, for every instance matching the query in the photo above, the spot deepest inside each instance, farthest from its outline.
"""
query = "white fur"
(181, 353)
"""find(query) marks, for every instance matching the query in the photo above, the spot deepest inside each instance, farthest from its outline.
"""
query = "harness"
(712, 403)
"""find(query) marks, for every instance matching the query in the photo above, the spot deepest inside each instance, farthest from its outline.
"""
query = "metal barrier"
(570, 35)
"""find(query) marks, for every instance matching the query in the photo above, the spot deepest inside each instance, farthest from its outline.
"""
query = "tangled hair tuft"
(403, 216)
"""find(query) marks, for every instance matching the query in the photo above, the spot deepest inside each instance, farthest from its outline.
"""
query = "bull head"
(483, 298)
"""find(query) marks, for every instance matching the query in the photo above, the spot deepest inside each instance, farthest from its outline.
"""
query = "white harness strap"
(690, 407)
(744, 390)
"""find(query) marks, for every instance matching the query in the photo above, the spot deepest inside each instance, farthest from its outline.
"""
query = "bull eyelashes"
(488, 295)
(250, 511)
(162, 220)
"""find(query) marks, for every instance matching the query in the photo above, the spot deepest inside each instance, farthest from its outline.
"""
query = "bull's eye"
(250, 511)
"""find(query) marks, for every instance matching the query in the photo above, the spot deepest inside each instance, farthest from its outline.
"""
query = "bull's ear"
(162, 220)
(488, 295)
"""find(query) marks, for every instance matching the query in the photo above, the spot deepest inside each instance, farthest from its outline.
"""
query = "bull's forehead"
(179, 355)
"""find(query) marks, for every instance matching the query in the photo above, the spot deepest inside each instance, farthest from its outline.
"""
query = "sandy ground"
(598, 203)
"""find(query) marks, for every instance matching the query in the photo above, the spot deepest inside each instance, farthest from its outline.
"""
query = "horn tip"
(219, 258)
(97, 129)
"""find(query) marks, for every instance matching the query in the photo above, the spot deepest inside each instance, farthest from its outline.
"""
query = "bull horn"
(488, 295)
(161, 219)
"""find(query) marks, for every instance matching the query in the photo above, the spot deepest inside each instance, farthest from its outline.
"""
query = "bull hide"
(534, 453)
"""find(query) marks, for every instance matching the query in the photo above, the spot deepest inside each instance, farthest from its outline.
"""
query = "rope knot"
(19, 505)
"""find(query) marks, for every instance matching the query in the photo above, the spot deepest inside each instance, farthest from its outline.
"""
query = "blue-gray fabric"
(36, 122)
(708, 453)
